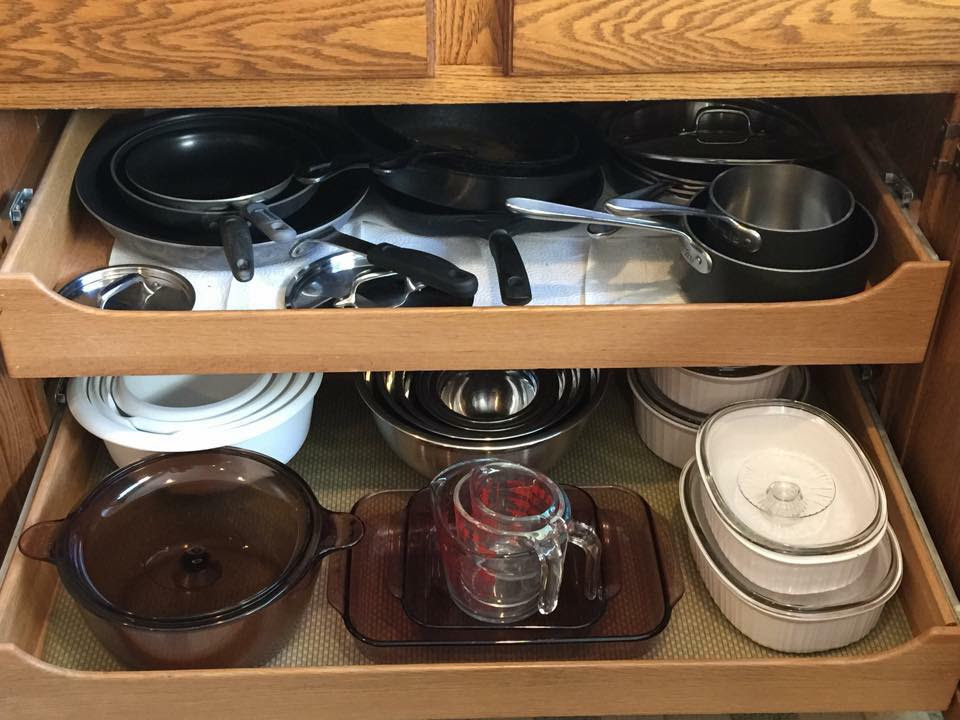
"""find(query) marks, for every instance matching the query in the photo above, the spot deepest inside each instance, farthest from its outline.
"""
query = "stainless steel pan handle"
(739, 234)
(691, 251)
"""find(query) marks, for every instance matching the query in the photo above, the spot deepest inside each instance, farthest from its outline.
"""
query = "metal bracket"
(949, 131)
(900, 187)
(941, 166)
(17, 207)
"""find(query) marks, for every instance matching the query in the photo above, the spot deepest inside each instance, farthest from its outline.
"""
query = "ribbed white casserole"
(704, 391)
(791, 623)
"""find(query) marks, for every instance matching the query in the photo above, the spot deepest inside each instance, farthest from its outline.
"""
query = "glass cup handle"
(551, 550)
(585, 538)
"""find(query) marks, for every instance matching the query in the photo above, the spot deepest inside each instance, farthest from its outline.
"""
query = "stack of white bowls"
(140, 415)
(670, 403)
(788, 525)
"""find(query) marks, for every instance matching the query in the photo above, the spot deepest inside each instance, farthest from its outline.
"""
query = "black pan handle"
(237, 246)
(424, 267)
(413, 156)
(511, 272)
(320, 172)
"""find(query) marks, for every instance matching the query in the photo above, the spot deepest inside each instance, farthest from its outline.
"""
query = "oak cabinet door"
(176, 40)
(554, 37)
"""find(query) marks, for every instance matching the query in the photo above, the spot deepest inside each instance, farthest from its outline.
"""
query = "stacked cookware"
(787, 522)
(263, 185)
(671, 403)
(139, 415)
(448, 170)
(687, 143)
(432, 420)
(760, 233)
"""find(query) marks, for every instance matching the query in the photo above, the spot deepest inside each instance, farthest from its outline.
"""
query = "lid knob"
(197, 569)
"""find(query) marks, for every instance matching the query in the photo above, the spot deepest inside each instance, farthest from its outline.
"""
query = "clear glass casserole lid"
(788, 477)
(875, 585)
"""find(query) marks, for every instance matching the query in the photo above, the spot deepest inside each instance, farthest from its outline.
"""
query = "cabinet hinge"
(17, 206)
(951, 164)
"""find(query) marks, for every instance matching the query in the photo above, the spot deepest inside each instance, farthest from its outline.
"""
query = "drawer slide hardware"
(900, 187)
(17, 207)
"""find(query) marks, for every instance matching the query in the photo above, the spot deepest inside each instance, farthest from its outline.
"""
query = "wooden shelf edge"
(483, 83)
(887, 323)
(920, 673)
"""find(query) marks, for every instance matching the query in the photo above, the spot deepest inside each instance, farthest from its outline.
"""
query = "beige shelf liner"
(345, 458)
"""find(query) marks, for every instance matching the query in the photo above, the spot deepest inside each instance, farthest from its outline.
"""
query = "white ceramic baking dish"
(670, 430)
(795, 505)
(791, 623)
(669, 437)
(705, 390)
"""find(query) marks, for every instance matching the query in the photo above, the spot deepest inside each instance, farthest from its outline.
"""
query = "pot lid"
(131, 287)
(715, 132)
(187, 539)
(348, 280)
(787, 476)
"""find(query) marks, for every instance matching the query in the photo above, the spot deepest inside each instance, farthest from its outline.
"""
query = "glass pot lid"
(786, 476)
(875, 585)
(185, 540)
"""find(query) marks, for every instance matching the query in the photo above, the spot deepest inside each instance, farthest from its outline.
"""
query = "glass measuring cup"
(503, 531)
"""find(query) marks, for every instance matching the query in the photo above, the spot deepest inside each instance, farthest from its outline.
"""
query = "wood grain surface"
(476, 84)
(470, 32)
(920, 673)
(161, 40)
(27, 139)
(552, 37)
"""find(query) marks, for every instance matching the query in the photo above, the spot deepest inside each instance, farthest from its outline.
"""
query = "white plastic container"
(795, 504)
(178, 398)
(279, 432)
(669, 437)
(706, 390)
(275, 386)
(792, 623)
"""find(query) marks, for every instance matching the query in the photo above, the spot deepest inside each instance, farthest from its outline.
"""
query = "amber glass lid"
(189, 539)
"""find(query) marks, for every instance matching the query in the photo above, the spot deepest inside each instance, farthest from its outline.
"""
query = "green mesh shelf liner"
(345, 458)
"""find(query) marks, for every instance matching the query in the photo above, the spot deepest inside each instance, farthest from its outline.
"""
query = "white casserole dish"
(755, 450)
(279, 430)
(704, 390)
(669, 430)
(798, 623)
(669, 437)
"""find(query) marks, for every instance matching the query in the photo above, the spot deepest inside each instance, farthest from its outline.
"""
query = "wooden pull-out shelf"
(43, 335)
(51, 666)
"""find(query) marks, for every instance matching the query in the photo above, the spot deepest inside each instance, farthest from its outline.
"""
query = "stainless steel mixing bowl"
(428, 453)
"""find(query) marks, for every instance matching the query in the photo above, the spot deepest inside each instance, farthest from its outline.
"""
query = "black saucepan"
(734, 279)
(716, 276)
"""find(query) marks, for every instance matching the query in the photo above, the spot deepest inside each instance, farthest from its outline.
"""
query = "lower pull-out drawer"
(51, 665)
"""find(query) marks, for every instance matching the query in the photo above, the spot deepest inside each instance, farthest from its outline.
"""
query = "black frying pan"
(472, 158)
(216, 174)
(421, 218)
